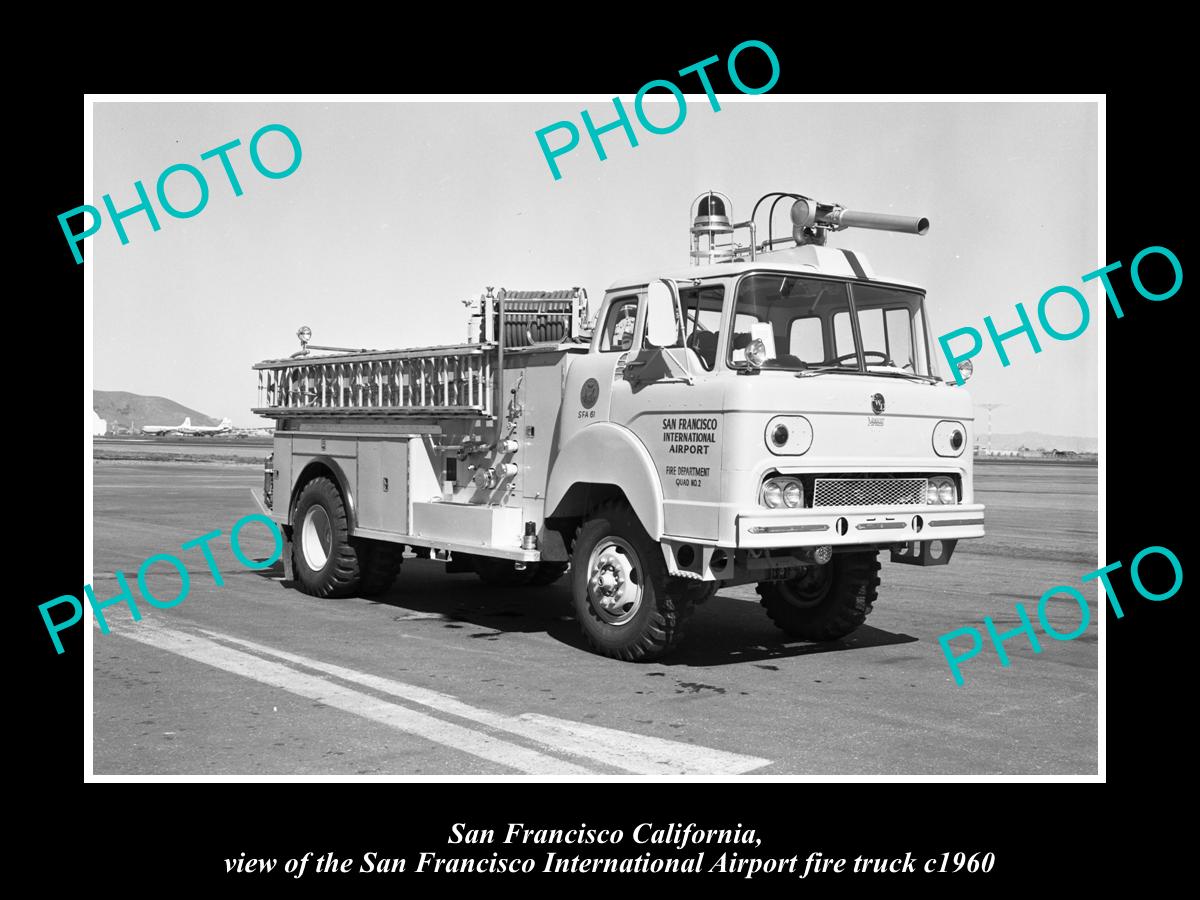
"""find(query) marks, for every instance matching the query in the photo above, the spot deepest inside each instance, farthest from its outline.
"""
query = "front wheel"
(826, 602)
(625, 604)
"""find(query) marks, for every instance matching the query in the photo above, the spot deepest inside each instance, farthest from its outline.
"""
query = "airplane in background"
(223, 428)
(168, 429)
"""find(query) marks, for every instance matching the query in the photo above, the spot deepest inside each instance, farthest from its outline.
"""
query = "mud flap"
(923, 553)
(289, 572)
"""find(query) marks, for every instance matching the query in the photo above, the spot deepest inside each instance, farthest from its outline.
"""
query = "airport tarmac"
(444, 675)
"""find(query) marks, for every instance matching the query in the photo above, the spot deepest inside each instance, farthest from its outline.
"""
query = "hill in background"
(122, 408)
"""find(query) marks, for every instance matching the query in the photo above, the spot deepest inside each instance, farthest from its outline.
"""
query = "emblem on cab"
(590, 393)
(877, 403)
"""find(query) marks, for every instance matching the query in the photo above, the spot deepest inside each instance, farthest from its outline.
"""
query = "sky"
(400, 211)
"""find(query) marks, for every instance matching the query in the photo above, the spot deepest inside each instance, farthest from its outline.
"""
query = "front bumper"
(857, 525)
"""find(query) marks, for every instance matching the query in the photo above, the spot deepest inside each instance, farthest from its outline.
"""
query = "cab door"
(587, 395)
(672, 403)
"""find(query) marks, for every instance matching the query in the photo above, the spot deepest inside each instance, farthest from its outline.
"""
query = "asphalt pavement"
(444, 675)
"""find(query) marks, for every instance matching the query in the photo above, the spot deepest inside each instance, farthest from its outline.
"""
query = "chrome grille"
(869, 491)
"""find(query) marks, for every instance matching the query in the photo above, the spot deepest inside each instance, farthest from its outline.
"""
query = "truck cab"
(776, 417)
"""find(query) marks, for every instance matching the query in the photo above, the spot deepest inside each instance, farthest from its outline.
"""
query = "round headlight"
(756, 353)
(946, 492)
(956, 440)
(773, 494)
(931, 494)
(793, 494)
(779, 436)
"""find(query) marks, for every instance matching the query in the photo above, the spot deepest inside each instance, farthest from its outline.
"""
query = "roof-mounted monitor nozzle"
(811, 221)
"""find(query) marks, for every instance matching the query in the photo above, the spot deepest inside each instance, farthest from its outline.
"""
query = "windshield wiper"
(927, 379)
(824, 370)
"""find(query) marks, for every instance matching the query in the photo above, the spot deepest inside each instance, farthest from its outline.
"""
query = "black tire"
(826, 602)
(545, 573)
(501, 572)
(381, 565)
(646, 627)
(698, 592)
(340, 574)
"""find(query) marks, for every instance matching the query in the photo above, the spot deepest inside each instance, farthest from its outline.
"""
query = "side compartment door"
(383, 484)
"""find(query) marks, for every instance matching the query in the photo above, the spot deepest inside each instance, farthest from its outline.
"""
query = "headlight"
(793, 494)
(756, 353)
(773, 494)
(949, 438)
(779, 492)
(941, 490)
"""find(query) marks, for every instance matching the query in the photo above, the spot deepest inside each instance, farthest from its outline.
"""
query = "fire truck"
(771, 415)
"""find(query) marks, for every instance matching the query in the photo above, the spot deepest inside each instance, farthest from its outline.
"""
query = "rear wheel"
(826, 602)
(626, 604)
(326, 562)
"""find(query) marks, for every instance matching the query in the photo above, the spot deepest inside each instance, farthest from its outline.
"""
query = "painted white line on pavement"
(636, 753)
(615, 746)
(476, 743)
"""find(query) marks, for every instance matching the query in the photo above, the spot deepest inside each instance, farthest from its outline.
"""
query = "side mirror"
(662, 315)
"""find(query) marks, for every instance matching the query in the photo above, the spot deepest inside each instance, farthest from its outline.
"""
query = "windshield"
(805, 324)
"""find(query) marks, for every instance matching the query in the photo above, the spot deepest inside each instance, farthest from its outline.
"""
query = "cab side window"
(619, 324)
(702, 321)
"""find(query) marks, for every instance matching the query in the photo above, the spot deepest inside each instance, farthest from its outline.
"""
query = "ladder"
(454, 380)
(443, 381)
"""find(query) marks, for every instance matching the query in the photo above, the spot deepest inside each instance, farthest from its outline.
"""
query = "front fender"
(605, 453)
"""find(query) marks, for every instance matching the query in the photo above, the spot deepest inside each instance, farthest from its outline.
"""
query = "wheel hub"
(316, 538)
(810, 587)
(614, 581)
